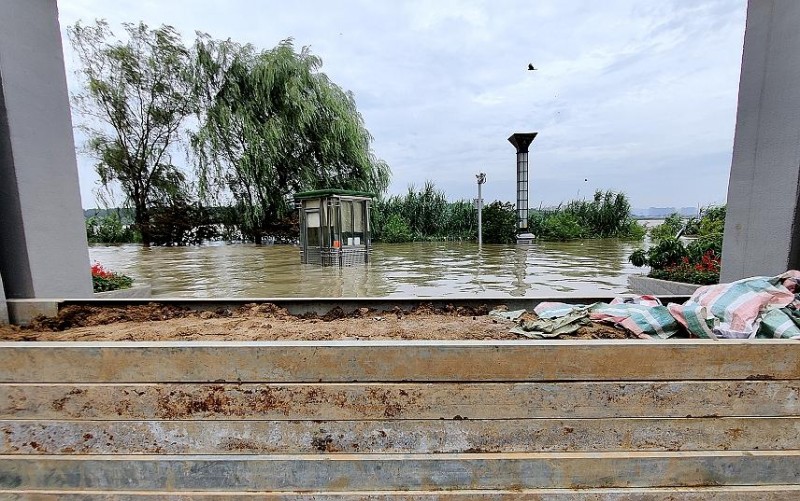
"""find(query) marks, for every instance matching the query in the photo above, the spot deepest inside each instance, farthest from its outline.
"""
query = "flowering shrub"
(669, 259)
(704, 272)
(105, 280)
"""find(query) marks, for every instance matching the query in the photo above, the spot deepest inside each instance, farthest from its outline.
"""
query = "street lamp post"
(521, 141)
(481, 177)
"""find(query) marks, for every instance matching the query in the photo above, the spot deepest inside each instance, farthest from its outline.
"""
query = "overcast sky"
(631, 95)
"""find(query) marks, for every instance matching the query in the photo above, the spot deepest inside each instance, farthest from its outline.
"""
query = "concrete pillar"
(3, 306)
(761, 228)
(43, 249)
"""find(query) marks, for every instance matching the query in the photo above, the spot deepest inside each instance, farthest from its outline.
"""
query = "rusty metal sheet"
(346, 472)
(431, 436)
(398, 361)
(389, 401)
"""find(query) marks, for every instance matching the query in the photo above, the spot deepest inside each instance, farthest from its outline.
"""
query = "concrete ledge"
(359, 472)
(654, 287)
(401, 401)
(141, 291)
(399, 437)
(22, 311)
(738, 493)
(396, 361)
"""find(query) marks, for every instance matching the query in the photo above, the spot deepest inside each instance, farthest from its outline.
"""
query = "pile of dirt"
(86, 316)
(267, 321)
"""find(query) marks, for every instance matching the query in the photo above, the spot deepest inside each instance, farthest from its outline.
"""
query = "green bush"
(104, 280)
(698, 262)
(668, 229)
(109, 230)
(710, 222)
(499, 223)
(703, 272)
(427, 214)
(700, 247)
(666, 252)
(634, 230)
(560, 226)
(607, 215)
(396, 230)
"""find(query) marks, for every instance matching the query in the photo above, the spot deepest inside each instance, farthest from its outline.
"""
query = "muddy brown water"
(452, 269)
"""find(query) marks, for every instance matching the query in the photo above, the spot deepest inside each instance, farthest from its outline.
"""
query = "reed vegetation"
(606, 215)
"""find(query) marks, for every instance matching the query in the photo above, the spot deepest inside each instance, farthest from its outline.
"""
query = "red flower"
(99, 271)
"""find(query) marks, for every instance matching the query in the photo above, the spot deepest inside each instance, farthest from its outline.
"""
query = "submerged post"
(481, 180)
(521, 141)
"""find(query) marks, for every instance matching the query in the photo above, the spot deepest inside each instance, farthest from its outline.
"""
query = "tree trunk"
(142, 219)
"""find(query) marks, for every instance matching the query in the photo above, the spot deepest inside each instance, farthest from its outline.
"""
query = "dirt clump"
(86, 316)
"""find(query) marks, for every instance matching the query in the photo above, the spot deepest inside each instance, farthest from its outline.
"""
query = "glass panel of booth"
(359, 222)
(313, 222)
(347, 222)
(332, 225)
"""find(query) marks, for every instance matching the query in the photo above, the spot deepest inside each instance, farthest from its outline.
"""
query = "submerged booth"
(334, 227)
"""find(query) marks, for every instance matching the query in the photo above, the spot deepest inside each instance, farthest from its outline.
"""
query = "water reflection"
(415, 269)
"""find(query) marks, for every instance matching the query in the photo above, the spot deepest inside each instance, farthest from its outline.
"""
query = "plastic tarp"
(643, 316)
(762, 307)
(736, 310)
(554, 320)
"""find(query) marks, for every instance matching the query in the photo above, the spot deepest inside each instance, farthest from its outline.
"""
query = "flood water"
(589, 267)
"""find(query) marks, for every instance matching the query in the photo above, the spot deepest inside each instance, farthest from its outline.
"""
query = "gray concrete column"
(43, 249)
(3, 306)
(761, 228)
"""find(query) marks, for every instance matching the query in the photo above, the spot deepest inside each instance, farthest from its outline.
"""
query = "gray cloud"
(632, 95)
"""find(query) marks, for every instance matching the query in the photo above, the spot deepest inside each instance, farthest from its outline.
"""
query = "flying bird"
(530, 67)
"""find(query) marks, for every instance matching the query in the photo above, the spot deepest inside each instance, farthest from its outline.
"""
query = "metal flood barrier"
(554, 420)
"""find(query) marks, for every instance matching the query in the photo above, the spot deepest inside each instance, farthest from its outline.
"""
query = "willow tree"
(137, 93)
(271, 125)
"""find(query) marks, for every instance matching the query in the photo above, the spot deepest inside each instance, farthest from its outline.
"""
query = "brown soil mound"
(266, 321)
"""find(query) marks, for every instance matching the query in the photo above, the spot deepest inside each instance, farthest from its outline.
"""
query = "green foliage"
(137, 93)
(710, 222)
(560, 225)
(460, 221)
(109, 230)
(607, 215)
(396, 230)
(703, 272)
(181, 223)
(271, 124)
(669, 229)
(499, 223)
(104, 280)
(427, 215)
(698, 262)
(702, 245)
(634, 231)
(638, 258)
(666, 252)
